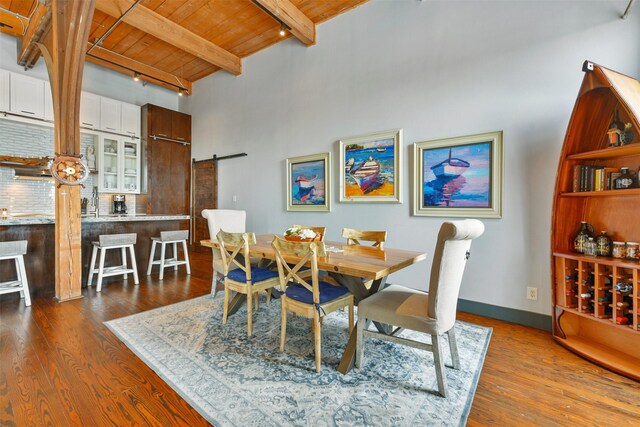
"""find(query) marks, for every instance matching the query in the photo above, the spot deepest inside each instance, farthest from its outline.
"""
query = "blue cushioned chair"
(313, 300)
(240, 276)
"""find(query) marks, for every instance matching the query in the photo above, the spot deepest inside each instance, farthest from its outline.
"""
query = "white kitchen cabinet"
(27, 96)
(4, 90)
(118, 165)
(130, 119)
(89, 110)
(48, 102)
(110, 114)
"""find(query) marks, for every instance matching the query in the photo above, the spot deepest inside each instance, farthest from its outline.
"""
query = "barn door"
(205, 196)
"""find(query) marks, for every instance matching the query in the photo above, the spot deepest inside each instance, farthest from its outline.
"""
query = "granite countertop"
(50, 219)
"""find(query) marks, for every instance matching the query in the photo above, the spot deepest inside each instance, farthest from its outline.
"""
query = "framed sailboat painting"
(370, 168)
(308, 183)
(459, 177)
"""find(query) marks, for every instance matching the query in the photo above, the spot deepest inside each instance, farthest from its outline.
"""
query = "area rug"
(233, 380)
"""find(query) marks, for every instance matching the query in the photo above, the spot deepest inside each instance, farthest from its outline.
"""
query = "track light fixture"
(181, 92)
(283, 31)
(136, 77)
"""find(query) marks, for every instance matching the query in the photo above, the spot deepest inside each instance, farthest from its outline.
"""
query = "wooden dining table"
(348, 265)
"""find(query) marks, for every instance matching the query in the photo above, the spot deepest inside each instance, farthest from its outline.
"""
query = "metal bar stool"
(113, 241)
(16, 251)
(169, 237)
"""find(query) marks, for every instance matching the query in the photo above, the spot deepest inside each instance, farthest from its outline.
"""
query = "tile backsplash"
(38, 196)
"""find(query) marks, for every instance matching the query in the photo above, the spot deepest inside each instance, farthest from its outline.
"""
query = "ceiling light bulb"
(282, 31)
(136, 77)
(180, 92)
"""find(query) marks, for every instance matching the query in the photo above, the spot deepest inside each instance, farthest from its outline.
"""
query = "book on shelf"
(594, 178)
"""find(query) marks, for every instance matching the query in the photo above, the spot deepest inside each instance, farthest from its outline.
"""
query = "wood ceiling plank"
(301, 26)
(16, 24)
(124, 65)
(22, 7)
(165, 29)
(29, 53)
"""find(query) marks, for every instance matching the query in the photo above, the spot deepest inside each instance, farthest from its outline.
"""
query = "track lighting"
(136, 77)
(181, 92)
(283, 31)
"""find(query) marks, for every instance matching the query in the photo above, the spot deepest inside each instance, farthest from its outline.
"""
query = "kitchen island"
(38, 230)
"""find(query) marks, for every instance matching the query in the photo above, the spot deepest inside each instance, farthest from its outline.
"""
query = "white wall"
(98, 80)
(436, 69)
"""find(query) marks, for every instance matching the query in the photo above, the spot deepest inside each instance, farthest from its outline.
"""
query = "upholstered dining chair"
(312, 300)
(240, 276)
(232, 221)
(433, 313)
(355, 237)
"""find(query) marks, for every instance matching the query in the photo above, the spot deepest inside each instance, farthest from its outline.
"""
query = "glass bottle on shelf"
(603, 244)
(615, 130)
(619, 250)
(590, 248)
(586, 231)
(625, 180)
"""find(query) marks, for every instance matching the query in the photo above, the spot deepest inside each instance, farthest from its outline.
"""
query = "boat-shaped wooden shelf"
(604, 326)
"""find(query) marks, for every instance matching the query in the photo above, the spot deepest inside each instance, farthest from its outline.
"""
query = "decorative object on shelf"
(296, 234)
(603, 244)
(582, 237)
(625, 180)
(370, 168)
(69, 170)
(308, 183)
(632, 250)
(615, 130)
(619, 250)
(459, 176)
(623, 287)
(91, 157)
(4, 213)
(626, 137)
(590, 247)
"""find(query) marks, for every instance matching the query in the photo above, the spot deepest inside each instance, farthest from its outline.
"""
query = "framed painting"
(309, 183)
(370, 168)
(459, 177)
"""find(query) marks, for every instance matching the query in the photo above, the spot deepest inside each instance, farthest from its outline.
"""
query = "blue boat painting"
(307, 182)
(457, 176)
(370, 168)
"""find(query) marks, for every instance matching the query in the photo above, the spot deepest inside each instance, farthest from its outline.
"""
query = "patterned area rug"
(233, 380)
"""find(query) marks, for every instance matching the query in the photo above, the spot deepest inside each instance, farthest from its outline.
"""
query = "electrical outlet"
(532, 293)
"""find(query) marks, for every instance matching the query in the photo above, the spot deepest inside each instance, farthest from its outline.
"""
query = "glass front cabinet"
(119, 165)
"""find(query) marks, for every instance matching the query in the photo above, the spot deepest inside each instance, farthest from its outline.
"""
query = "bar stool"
(16, 250)
(167, 237)
(113, 241)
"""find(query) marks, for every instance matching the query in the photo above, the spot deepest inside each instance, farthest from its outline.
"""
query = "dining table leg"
(236, 302)
(360, 292)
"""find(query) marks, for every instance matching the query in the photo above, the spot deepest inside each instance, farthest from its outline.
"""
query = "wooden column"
(63, 49)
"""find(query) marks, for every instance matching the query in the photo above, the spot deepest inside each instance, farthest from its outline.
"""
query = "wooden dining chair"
(433, 313)
(240, 276)
(355, 237)
(312, 300)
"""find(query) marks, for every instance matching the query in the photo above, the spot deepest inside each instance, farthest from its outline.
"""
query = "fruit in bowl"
(296, 234)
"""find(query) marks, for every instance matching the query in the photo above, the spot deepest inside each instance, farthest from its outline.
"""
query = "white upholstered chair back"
(449, 260)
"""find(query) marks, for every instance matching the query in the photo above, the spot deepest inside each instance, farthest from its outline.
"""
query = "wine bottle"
(585, 295)
(622, 305)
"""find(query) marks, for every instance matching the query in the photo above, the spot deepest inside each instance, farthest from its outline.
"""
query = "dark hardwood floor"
(59, 365)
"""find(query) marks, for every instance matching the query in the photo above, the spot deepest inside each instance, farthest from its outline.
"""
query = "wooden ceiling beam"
(39, 25)
(166, 30)
(12, 23)
(284, 11)
(128, 66)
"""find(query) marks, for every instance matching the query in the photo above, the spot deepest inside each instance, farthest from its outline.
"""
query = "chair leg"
(269, 296)
(351, 315)
(225, 305)
(257, 297)
(439, 365)
(249, 311)
(163, 247)
(186, 256)
(360, 340)
(152, 255)
(175, 255)
(283, 323)
(25, 282)
(16, 261)
(134, 265)
(453, 346)
(317, 338)
(92, 264)
(123, 255)
(100, 269)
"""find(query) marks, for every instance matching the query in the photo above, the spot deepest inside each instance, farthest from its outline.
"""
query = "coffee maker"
(119, 206)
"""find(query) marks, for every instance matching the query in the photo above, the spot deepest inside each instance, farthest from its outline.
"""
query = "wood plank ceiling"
(173, 43)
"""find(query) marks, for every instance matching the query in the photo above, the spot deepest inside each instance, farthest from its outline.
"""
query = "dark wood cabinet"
(167, 135)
